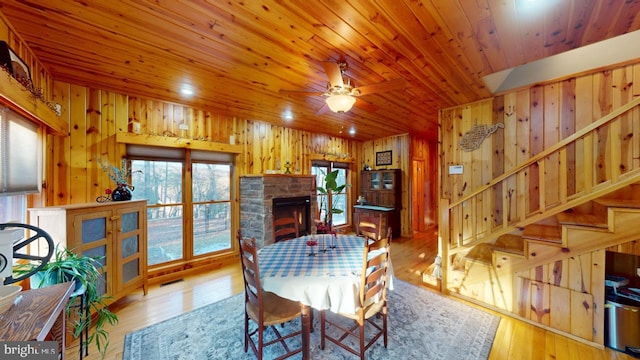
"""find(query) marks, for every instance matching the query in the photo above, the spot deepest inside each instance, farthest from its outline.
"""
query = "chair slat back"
(250, 270)
(369, 226)
(373, 285)
(286, 228)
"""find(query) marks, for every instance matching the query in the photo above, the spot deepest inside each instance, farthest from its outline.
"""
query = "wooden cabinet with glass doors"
(382, 188)
(116, 231)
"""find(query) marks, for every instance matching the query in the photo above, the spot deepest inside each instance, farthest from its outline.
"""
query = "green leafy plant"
(86, 271)
(119, 175)
(330, 188)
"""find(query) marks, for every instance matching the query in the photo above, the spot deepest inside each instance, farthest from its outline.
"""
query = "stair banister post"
(444, 238)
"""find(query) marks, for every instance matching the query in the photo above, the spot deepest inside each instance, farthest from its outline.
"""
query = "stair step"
(509, 243)
(543, 233)
(593, 220)
(621, 203)
(481, 253)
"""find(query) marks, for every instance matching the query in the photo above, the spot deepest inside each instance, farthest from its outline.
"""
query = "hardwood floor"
(411, 256)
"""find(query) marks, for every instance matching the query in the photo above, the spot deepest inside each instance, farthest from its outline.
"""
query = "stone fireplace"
(256, 202)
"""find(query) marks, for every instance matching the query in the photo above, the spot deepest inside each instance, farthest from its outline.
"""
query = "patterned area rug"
(422, 325)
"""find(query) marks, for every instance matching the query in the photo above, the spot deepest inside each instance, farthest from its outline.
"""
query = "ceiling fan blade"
(366, 106)
(323, 109)
(301, 93)
(333, 73)
(389, 85)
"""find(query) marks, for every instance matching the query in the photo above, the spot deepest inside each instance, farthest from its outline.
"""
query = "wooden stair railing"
(460, 220)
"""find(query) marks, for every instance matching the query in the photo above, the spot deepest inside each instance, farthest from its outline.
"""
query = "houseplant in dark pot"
(120, 176)
(86, 272)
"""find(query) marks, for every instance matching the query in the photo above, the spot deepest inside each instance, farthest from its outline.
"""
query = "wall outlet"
(183, 127)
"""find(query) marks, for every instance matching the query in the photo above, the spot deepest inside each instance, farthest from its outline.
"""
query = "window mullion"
(187, 199)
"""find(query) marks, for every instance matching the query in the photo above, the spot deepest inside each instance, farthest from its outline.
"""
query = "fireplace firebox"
(285, 207)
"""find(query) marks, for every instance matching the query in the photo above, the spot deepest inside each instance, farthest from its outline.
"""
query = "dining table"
(329, 279)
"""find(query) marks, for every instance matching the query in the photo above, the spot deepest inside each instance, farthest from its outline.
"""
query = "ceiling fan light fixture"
(340, 103)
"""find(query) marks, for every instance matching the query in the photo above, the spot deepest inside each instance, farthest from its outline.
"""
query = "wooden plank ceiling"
(238, 55)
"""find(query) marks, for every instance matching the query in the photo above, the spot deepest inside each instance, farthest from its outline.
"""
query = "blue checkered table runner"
(290, 257)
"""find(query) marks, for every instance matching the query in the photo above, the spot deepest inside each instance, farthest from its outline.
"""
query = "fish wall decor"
(472, 139)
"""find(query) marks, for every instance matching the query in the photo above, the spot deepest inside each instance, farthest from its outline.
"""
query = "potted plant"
(120, 176)
(330, 188)
(67, 266)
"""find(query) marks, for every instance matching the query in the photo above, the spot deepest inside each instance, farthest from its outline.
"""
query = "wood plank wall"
(95, 116)
(535, 119)
(73, 175)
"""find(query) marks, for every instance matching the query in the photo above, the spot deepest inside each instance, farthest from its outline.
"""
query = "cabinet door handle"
(116, 217)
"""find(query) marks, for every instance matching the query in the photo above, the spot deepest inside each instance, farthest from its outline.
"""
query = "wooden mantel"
(19, 99)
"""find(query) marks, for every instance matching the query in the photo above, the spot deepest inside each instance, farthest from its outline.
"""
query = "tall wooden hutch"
(382, 192)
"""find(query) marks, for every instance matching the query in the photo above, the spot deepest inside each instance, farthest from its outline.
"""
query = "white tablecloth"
(329, 280)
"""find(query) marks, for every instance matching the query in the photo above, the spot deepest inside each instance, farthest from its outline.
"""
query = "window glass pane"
(340, 202)
(319, 172)
(212, 215)
(211, 227)
(159, 182)
(164, 232)
(211, 182)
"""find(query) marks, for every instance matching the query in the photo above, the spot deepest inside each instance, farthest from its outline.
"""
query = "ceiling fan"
(342, 95)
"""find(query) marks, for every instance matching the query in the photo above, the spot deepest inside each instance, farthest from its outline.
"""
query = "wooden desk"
(39, 312)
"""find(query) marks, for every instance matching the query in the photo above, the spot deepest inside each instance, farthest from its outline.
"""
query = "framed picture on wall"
(14, 64)
(383, 158)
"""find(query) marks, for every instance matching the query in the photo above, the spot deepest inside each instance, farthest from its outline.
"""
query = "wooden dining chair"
(286, 228)
(372, 301)
(370, 226)
(264, 308)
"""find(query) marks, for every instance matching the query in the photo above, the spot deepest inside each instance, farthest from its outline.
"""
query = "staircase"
(534, 245)
(552, 271)
(567, 234)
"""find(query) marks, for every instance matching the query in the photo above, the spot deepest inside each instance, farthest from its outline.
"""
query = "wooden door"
(418, 200)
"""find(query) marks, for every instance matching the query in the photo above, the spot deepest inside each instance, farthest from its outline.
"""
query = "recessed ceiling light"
(186, 90)
(287, 115)
(352, 131)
